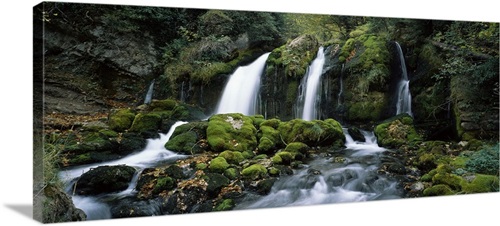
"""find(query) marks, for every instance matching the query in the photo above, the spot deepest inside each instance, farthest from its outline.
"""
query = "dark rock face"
(59, 207)
(85, 69)
(356, 134)
(105, 179)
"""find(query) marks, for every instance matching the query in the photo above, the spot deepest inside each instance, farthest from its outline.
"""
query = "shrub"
(485, 161)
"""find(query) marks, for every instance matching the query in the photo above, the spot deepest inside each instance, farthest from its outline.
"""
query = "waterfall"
(403, 90)
(309, 87)
(341, 87)
(149, 94)
(240, 93)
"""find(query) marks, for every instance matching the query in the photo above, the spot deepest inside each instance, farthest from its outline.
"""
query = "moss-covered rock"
(131, 142)
(451, 180)
(254, 172)
(146, 122)
(162, 105)
(231, 173)
(104, 179)
(286, 157)
(234, 132)
(184, 143)
(396, 131)
(215, 182)
(297, 149)
(438, 190)
(121, 120)
(218, 165)
(313, 133)
(295, 56)
(481, 184)
(269, 136)
(366, 108)
(232, 157)
(164, 184)
(188, 138)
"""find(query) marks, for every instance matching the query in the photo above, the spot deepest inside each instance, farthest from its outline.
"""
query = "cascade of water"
(240, 93)
(403, 90)
(149, 94)
(310, 85)
(324, 181)
(153, 153)
(341, 87)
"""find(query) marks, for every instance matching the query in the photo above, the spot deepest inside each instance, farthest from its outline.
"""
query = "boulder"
(396, 131)
(105, 179)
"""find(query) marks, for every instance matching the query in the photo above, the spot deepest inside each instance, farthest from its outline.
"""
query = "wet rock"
(104, 179)
(356, 134)
(215, 183)
(131, 207)
(265, 186)
(60, 206)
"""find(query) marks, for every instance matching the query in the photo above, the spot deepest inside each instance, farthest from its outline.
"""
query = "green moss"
(121, 120)
(453, 181)
(257, 120)
(80, 159)
(146, 122)
(233, 132)
(206, 74)
(226, 204)
(438, 190)
(285, 156)
(248, 154)
(367, 108)
(183, 143)
(273, 171)
(164, 184)
(218, 165)
(254, 172)
(269, 139)
(393, 133)
(296, 148)
(201, 166)
(312, 133)
(109, 133)
(163, 105)
(232, 157)
(480, 184)
(277, 160)
(259, 157)
(293, 57)
(231, 173)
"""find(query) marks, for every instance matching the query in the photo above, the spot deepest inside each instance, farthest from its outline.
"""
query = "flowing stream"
(310, 84)
(404, 96)
(154, 153)
(240, 93)
(349, 176)
(149, 94)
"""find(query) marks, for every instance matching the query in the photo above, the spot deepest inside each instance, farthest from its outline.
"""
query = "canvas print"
(154, 111)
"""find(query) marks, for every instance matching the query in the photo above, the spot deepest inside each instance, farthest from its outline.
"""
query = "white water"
(352, 181)
(153, 153)
(149, 94)
(313, 76)
(240, 93)
(403, 89)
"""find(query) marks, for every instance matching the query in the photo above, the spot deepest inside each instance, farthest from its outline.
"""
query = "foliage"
(485, 161)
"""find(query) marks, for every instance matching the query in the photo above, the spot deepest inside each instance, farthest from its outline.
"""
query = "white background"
(16, 124)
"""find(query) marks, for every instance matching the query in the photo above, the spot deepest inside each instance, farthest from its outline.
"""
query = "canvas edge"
(38, 176)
